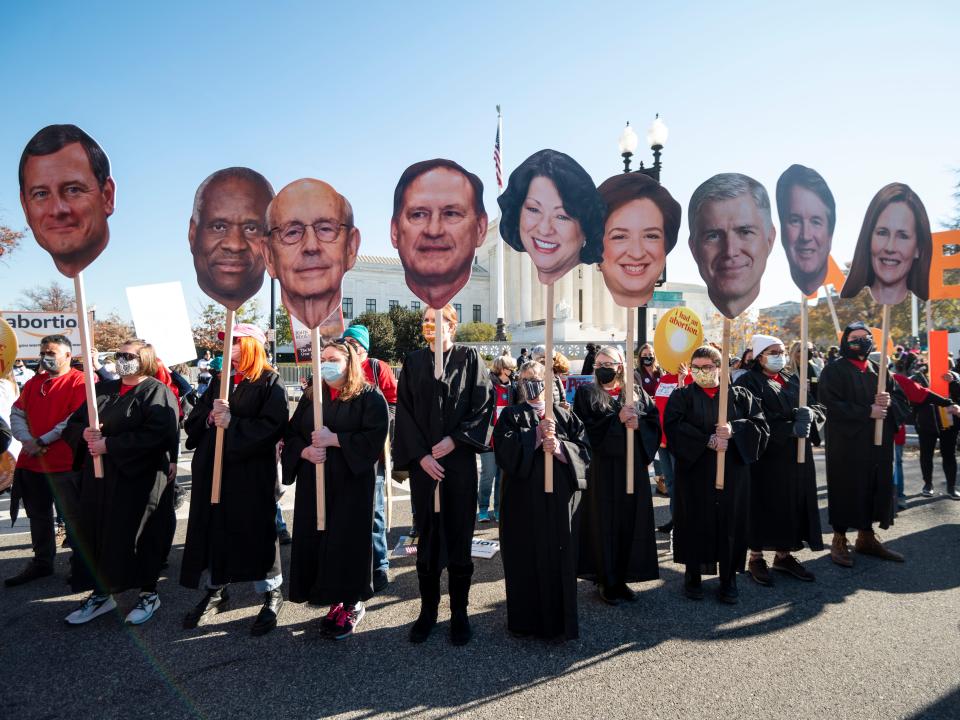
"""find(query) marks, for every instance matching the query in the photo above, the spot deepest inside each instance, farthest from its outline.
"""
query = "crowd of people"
(467, 435)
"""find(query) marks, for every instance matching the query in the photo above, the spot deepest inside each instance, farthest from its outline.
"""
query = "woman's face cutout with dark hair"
(551, 237)
(893, 249)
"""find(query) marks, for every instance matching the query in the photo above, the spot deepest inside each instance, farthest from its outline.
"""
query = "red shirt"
(47, 401)
(388, 381)
(711, 392)
(667, 384)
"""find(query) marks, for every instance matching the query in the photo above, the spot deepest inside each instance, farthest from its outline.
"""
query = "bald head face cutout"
(226, 234)
(438, 223)
(67, 195)
(311, 243)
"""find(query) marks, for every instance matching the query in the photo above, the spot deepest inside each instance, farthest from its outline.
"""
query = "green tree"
(284, 331)
(213, 320)
(476, 332)
(380, 327)
(407, 332)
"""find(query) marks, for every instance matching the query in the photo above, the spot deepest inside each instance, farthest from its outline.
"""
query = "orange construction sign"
(940, 263)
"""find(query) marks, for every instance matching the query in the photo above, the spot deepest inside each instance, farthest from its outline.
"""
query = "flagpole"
(498, 158)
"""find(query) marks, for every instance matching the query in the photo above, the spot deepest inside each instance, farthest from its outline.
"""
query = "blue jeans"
(259, 586)
(898, 469)
(489, 482)
(667, 463)
(380, 559)
(281, 524)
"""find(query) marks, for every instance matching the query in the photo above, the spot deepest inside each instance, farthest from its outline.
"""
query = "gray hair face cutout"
(731, 237)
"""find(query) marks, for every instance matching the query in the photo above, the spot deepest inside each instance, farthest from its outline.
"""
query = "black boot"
(728, 593)
(460, 632)
(213, 602)
(267, 617)
(429, 602)
(692, 584)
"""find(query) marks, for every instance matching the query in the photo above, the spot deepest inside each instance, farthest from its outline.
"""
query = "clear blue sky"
(352, 93)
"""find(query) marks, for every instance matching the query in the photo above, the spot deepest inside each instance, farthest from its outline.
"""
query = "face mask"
(330, 371)
(774, 363)
(48, 363)
(539, 406)
(705, 378)
(646, 361)
(860, 347)
(125, 368)
(605, 376)
(110, 367)
(532, 388)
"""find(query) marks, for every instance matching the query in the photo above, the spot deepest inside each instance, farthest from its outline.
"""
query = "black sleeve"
(294, 441)
(196, 423)
(362, 447)
(158, 429)
(685, 439)
(248, 437)
(514, 446)
(750, 430)
(475, 427)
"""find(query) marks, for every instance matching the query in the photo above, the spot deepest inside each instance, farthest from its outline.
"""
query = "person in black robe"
(932, 426)
(859, 473)
(441, 425)
(617, 540)
(784, 509)
(710, 525)
(538, 530)
(121, 530)
(334, 567)
(236, 539)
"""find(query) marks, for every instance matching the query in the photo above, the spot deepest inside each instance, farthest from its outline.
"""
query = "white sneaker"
(90, 608)
(147, 605)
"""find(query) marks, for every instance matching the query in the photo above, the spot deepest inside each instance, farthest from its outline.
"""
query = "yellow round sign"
(678, 334)
(8, 347)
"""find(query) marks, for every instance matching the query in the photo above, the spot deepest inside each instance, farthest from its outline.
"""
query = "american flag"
(496, 153)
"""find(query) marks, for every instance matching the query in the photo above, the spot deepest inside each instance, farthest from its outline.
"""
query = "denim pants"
(667, 463)
(259, 586)
(281, 523)
(489, 483)
(898, 469)
(380, 559)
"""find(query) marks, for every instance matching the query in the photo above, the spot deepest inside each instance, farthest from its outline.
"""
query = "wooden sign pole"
(724, 385)
(93, 416)
(627, 399)
(548, 387)
(226, 380)
(802, 442)
(882, 379)
(315, 350)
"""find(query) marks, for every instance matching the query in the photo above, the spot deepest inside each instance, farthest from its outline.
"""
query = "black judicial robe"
(710, 525)
(335, 565)
(121, 533)
(617, 541)
(236, 540)
(859, 473)
(784, 512)
(538, 530)
(460, 404)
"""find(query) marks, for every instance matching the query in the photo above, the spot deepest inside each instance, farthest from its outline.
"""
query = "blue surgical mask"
(774, 363)
(330, 371)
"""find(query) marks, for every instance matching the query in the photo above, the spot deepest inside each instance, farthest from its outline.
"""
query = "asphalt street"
(879, 641)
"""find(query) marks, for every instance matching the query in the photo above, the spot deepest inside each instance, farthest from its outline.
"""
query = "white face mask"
(539, 406)
(125, 368)
(774, 363)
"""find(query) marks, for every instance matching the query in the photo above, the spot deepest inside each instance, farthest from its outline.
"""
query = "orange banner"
(938, 357)
(833, 277)
(940, 263)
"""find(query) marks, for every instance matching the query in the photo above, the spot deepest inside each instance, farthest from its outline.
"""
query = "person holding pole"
(441, 425)
(44, 473)
(710, 524)
(859, 473)
(123, 516)
(617, 540)
(538, 530)
(334, 566)
(784, 510)
(235, 540)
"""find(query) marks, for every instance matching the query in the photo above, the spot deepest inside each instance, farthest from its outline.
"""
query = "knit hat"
(360, 334)
(762, 342)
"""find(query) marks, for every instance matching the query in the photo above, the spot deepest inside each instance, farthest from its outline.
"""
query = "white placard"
(30, 327)
(160, 317)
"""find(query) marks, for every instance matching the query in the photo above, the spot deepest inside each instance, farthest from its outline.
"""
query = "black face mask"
(860, 347)
(646, 361)
(532, 388)
(606, 375)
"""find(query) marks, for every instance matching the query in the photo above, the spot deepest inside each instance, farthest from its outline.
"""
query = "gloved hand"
(802, 419)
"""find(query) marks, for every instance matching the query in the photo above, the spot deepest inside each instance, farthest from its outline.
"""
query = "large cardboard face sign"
(437, 225)
(894, 248)
(731, 237)
(552, 211)
(226, 232)
(67, 195)
(311, 243)
(641, 228)
(808, 215)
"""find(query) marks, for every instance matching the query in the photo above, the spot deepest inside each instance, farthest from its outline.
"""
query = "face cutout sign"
(894, 248)
(226, 234)
(552, 211)
(731, 236)
(437, 225)
(67, 195)
(808, 215)
(642, 225)
(311, 242)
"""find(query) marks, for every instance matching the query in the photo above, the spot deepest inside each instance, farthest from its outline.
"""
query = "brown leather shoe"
(869, 544)
(759, 572)
(792, 566)
(840, 552)
(661, 486)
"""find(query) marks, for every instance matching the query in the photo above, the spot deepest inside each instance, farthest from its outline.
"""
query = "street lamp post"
(656, 139)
